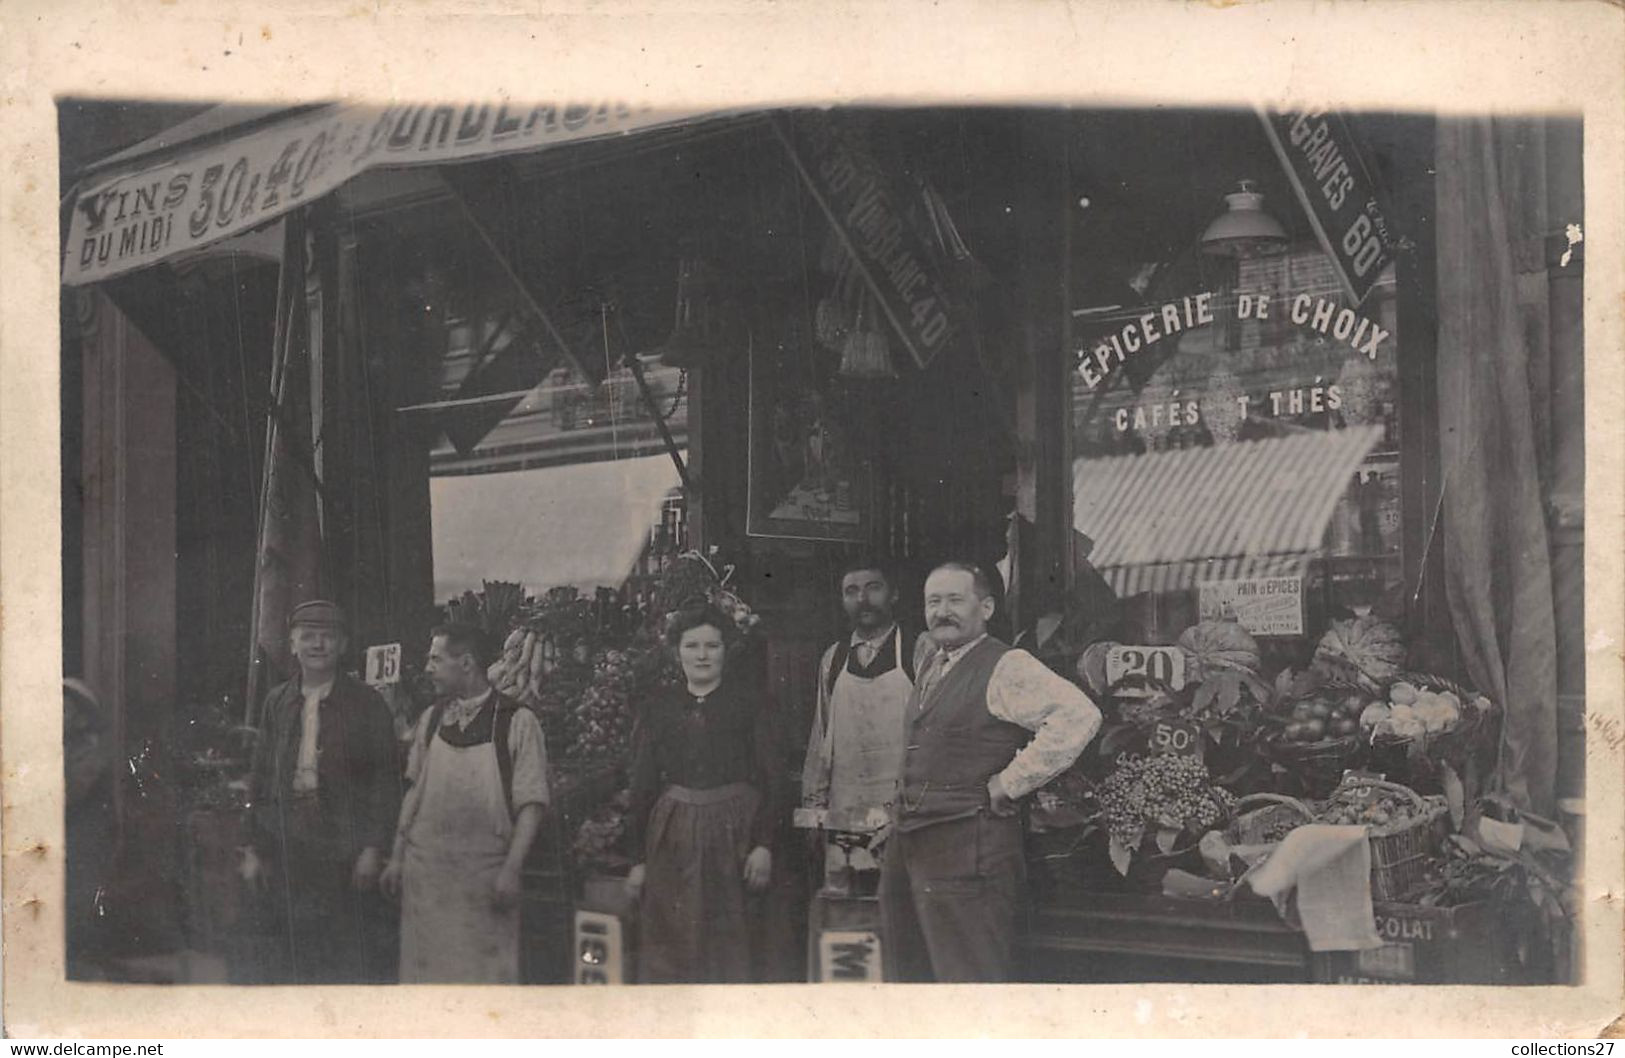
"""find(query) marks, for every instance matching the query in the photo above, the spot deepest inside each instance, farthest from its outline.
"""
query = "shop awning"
(583, 524)
(221, 174)
(1167, 521)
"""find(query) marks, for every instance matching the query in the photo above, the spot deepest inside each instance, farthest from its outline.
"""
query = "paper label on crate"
(600, 956)
(848, 955)
(1390, 962)
(1264, 606)
(384, 664)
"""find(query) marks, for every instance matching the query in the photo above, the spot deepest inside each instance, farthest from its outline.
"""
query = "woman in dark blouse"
(705, 803)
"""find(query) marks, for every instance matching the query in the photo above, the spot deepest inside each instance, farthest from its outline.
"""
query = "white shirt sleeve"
(1022, 690)
(529, 748)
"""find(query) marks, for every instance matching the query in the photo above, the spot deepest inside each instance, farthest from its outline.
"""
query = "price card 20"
(1163, 665)
(384, 664)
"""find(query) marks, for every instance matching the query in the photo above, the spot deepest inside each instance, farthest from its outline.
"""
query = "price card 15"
(1164, 665)
(384, 664)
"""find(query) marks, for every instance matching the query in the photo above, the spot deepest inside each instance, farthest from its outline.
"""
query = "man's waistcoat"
(953, 745)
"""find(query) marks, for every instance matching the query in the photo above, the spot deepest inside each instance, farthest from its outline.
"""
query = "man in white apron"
(478, 770)
(864, 681)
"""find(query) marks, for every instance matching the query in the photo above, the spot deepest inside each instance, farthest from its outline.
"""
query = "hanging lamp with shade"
(1244, 229)
(698, 328)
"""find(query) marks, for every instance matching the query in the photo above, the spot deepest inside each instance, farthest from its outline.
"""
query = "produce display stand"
(1102, 909)
(1128, 937)
(551, 883)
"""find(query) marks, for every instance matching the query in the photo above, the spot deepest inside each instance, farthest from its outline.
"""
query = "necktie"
(933, 673)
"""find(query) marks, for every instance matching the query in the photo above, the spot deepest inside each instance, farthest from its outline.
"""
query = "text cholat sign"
(1323, 160)
(895, 259)
(124, 222)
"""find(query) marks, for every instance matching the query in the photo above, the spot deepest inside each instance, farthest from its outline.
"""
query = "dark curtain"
(1497, 564)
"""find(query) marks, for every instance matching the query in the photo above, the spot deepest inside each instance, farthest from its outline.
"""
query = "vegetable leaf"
(1454, 794)
(1119, 855)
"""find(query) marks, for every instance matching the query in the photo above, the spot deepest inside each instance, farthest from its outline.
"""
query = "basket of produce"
(1406, 830)
(1318, 736)
(1428, 725)
(1265, 818)
(1428, 709)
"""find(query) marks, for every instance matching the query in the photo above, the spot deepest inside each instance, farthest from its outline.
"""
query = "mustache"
(942, 621)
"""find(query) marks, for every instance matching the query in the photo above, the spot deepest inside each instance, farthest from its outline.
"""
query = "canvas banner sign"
(140, 216)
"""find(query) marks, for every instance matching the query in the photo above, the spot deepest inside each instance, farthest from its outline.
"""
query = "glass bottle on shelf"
(1390, 426)
(1386, 504)
(1370, 531)
(1346, 528)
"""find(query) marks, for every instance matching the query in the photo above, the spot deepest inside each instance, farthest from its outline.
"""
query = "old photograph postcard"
(688, 520)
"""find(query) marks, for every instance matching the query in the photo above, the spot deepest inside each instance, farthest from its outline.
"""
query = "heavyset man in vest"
(864, 683)
(985, 726)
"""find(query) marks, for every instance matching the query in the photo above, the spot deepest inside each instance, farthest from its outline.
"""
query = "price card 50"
(1177, 737)
(1164, 665)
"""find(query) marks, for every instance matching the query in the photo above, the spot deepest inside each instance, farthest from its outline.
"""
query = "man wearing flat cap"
(326, 790)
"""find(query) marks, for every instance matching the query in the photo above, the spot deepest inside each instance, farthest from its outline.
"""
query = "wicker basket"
(1399, 859)
(1267, 812)
(1318, 766)
(1396, 754)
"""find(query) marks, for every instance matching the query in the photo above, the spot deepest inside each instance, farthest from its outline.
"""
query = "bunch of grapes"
(1162, 792)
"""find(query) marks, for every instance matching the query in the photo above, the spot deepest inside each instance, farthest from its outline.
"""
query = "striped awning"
(1167, 521)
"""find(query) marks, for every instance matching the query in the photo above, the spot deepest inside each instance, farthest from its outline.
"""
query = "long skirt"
(697, 922)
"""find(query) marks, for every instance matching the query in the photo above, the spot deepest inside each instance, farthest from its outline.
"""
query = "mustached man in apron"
(864, 683)
(478, 774)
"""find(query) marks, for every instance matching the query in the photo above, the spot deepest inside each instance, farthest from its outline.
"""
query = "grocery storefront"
(555, 369)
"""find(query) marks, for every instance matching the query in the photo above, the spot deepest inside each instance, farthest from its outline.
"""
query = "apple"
(1319, 711)
(1314, 730)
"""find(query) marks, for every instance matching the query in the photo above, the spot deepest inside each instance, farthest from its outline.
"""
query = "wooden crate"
(1426, 945)
(844, 940)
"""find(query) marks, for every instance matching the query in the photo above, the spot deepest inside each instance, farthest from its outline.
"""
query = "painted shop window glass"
(1236, 447)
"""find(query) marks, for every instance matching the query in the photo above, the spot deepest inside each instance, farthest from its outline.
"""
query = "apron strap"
(843, 650)
(501, 730)
(905, 658)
